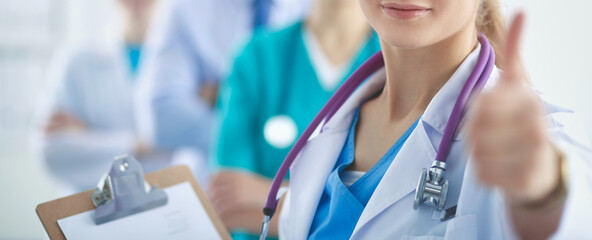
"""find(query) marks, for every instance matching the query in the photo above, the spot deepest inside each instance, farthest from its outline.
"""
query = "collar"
(438, 111)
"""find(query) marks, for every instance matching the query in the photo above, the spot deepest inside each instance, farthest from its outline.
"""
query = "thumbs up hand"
(511, 148)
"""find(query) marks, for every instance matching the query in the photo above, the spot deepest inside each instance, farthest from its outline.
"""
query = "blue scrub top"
(133, 53)
(340, 207)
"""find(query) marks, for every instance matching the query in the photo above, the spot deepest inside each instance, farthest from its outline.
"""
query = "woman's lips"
(404, 11)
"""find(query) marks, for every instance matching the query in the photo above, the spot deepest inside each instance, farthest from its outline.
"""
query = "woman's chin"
(404, 37)
(406, 42)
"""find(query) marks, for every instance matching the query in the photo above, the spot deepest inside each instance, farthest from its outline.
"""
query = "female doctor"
(514, 169)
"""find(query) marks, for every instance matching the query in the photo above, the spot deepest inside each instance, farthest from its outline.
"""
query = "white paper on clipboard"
(183, 217)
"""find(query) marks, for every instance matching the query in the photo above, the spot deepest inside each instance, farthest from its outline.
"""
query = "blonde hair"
(490, 22)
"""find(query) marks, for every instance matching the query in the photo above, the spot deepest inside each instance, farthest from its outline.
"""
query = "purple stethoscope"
(432, 187)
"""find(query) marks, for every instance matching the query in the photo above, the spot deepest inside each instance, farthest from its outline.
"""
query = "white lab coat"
(481, 211)
(93, 84)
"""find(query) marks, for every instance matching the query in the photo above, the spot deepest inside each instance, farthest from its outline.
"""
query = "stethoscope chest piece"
(432, 187)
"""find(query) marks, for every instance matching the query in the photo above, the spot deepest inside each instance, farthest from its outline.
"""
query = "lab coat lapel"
(309, 175)
(315, 162)
(418, 151)
(402, 175)
(438, 111)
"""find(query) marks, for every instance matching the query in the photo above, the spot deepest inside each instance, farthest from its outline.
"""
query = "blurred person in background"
(278, 83)
(190, 48)
(94, 115)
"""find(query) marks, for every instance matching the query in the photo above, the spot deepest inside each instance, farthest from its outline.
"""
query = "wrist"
(556, 196)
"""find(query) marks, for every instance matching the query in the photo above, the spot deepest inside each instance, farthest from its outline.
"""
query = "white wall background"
(30, 32)
(557, 50)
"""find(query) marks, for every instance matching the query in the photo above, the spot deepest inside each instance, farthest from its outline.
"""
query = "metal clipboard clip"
(123, 192)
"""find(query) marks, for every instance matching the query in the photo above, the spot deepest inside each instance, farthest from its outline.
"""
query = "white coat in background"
(192, 43)
(481, 211)
(93, 84)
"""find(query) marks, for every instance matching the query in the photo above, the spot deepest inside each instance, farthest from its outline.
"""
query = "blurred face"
(412, 24)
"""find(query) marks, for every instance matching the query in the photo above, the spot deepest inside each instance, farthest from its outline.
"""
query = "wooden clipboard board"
(50, 212)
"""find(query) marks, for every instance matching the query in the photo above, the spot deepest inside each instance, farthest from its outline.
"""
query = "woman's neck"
(414, 76)
(339, 27)
(134, 31)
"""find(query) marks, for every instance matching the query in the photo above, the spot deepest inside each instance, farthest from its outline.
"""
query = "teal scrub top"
(272, 76)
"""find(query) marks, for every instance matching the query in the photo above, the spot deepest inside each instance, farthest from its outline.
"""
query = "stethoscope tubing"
(473, 86)
(373, 64)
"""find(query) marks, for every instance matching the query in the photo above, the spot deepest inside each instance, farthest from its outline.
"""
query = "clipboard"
(50, 212)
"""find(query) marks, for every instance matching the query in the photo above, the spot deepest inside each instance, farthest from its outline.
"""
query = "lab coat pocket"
(462, 227)
(429, 237)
